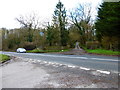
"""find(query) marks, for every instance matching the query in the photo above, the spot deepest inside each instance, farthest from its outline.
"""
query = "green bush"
(92, 44)
(110, 43)
(45, 51)
(29, 46)
(56, 47)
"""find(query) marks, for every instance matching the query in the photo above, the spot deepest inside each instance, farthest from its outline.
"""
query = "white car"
(21, 50)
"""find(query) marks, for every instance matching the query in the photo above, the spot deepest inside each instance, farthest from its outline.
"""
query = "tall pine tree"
(60, 14)
(108, 22)
(108, 25)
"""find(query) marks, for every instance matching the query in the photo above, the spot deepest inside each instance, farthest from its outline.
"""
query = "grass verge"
(104, 52)
(94, 51)
(4, 58)
(45, 51)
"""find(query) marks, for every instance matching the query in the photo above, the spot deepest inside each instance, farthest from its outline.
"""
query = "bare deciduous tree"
(81, 13)
(81, 18)
(29, 21)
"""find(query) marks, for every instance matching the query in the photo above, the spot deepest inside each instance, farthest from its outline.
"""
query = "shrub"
(56, 47)
(110, 43)
(92, 44)
(29, 46)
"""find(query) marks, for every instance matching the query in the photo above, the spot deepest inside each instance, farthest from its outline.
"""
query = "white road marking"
(71, 66)
(84, 68)
(55, 66)
(45, 62)
(105, 72)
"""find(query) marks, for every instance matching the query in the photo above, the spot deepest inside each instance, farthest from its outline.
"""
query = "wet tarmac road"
(106, 63)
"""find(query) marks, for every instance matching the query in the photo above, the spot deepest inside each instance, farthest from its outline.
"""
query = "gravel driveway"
(27, 73)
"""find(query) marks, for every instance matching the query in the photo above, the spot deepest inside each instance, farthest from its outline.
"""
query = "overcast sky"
(10, 9)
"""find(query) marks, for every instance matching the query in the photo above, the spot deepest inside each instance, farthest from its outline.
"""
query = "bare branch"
(29, 21)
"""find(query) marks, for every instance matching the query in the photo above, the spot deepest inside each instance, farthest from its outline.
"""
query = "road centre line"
(105, 59)
(79, 57)
(114, 60)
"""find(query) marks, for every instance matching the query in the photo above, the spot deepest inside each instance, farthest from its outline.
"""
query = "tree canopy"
(108, 20)
(65, 30)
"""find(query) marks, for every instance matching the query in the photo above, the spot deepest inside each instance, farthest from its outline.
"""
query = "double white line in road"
(75, 57)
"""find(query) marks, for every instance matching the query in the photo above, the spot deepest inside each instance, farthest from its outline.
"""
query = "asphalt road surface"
(106, 63)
